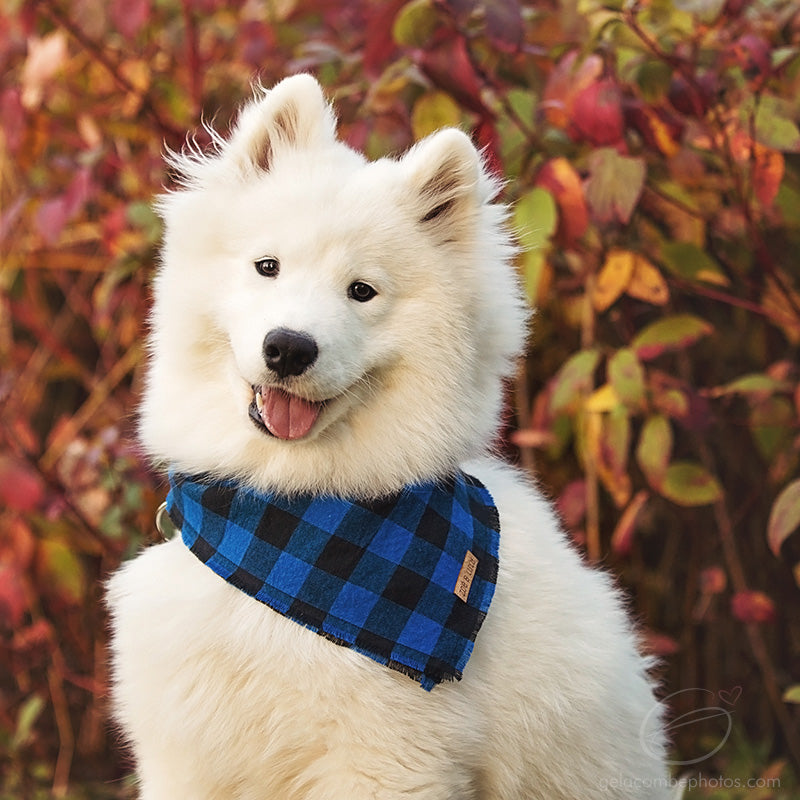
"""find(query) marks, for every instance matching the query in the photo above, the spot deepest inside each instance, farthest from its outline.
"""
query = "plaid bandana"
(406, 580)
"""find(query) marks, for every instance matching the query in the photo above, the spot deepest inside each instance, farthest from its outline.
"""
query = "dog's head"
(324, 323)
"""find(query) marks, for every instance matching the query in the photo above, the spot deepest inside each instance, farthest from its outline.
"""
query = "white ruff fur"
(219, 696)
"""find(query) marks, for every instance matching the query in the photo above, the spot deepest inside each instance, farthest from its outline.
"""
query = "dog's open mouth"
(284, 415)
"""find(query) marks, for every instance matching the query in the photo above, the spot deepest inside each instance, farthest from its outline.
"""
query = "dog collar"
(405, 580)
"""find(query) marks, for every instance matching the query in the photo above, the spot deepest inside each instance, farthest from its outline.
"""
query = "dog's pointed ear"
(294, 114)
(446, 177)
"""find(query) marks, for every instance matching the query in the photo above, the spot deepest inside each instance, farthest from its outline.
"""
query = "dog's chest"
(254, 692)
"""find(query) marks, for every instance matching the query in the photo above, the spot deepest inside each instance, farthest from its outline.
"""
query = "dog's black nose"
(289, 352)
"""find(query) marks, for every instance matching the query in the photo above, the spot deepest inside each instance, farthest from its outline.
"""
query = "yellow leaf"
(383, 92)
(604, 399)
(607, 440)
(613, 278)
(138, 73)
(433, 111)
(139, 76)
(661, 135)
(647, 283)
(280, 10)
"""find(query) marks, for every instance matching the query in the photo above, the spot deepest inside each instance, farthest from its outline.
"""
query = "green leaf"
(689, 484)
(788, 203)
(432, 111)
(784, 518)
(792, 694)
(26, 719)
(774, 127)
(524, 102)
(415, 23)
(614, 185)
(755, 383)
(654, 450)
(687, 260)
(535, 218)
(770, 421)
(654, 77)
(617, 435)
(781, 56)
(669, 333)
(533, 263)
(626, 375)
(141, 215)
(62, 571)
(573, 380)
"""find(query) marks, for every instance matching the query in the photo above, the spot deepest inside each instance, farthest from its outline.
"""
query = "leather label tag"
(465, 576)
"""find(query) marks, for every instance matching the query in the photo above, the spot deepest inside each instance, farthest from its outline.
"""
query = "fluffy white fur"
(219, 696)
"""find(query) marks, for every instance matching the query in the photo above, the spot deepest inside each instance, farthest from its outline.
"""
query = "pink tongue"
(287, 416)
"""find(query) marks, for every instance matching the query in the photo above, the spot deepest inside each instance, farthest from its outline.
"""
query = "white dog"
(328, 330)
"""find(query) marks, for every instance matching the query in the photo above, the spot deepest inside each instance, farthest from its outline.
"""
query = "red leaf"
(129, 16)
(502, 20)
(559, 177)
(532, 437)
(36, 635)
(489, 141)
(713, 580)
(733, 8)
(379, 43)
(753, 54)
(21, 489)
(768, 165)
(660, 130)
(571, 504)
(564, 83)
(114, 224)
(597, 113)
(54, 214)
(77, 193)
(692, 99)
(449, 66)
(753, 607)
(51, 217)
(659, 644)
(13, 604)
(767, 175)
(17, 544)
(12, 118)
(614, 185)
(256, 41)
(622, 538)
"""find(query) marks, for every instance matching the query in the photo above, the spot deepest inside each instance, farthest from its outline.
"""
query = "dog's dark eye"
(361, 291)
(268, 267)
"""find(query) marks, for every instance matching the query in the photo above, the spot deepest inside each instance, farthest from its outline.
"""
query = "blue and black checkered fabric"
(377, 576)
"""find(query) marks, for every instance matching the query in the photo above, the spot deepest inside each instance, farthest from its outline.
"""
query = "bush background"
(652, 152)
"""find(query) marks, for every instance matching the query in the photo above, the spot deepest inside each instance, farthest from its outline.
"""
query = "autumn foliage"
(652, 153)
